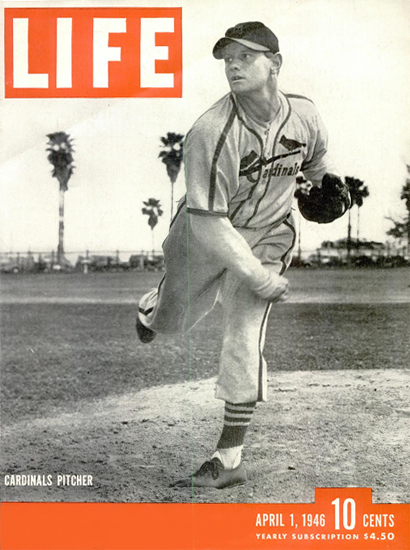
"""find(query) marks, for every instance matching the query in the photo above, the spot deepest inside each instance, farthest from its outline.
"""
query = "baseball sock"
(236, 422)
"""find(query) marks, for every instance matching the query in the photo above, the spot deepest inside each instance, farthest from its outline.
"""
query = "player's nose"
(234, 64)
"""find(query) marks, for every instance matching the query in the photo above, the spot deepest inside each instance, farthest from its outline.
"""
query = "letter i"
(64, 52)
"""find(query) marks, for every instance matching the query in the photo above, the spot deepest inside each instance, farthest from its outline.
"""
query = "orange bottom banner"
(340, 519)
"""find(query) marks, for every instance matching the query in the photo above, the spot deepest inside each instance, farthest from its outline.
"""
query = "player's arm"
(329, 198)
(221, 241)
(211, 169)
(317, 162)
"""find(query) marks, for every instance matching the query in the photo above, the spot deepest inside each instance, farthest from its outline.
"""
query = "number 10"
(349, 513)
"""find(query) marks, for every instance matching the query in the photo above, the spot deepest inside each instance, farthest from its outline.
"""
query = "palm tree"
(358, 192)
(402, 226)
(153, 210)
(61, 157)
(302, 188)
(360, 196)
(172, 157)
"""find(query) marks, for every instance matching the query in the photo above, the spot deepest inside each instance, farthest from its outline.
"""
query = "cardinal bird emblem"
(290, 144)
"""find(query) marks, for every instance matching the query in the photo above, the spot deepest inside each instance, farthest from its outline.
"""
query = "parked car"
(9, 266)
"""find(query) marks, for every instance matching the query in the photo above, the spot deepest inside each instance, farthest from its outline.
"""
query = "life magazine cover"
(204, 255)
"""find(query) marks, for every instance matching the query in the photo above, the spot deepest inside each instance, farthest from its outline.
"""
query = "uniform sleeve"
(211, 168)
(317, 162)
(222, 241)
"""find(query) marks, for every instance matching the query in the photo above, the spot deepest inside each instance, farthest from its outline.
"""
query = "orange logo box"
(340, 519)
(93, 52)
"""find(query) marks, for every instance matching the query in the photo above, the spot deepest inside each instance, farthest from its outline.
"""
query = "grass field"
(80, 394)
(67, 339)
(329, 286)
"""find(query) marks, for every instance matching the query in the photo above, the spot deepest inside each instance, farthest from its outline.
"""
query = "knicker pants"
(194, 282)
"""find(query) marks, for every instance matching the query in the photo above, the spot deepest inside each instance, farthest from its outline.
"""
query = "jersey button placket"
(266, 168)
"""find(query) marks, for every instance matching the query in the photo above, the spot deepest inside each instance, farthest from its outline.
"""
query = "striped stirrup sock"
(236, 422)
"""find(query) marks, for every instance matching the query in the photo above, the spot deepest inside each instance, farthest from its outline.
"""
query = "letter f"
(103, 53)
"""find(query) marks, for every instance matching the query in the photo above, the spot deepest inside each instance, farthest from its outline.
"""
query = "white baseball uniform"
(242, 171)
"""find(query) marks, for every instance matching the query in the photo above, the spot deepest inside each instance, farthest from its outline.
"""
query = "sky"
(351, 57)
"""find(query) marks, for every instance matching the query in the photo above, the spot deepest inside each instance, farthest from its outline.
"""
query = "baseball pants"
(194, 282)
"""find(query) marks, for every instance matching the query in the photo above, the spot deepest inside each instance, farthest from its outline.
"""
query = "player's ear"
(276, 60)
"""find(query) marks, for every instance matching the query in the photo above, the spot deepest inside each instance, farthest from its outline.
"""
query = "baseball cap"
(253, 34)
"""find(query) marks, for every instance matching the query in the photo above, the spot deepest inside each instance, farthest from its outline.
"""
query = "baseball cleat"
(213, 474)
(145, 334)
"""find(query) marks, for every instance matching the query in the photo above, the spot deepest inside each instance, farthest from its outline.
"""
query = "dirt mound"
(321, 429)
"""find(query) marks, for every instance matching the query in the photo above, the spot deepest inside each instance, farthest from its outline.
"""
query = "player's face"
(246, 70)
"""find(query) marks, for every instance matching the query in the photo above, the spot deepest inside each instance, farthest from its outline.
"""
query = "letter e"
(150, 52)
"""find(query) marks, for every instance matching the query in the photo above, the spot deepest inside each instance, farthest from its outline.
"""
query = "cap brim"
(223, 42)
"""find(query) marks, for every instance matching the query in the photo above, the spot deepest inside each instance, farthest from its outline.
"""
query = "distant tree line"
(401, 227)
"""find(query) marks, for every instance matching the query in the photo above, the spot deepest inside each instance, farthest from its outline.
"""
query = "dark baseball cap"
(253, 34)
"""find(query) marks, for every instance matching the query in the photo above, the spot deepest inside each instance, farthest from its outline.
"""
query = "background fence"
(362, 255)
(84, 260)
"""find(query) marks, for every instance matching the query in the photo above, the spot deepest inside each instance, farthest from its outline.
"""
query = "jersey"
(246, 171)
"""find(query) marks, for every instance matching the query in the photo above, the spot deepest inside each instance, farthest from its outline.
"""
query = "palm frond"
(153, 211)
(60, 156)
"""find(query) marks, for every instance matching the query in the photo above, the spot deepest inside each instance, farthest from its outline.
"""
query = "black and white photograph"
(205, 298)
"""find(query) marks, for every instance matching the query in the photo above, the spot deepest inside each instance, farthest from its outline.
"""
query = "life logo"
(93, 52)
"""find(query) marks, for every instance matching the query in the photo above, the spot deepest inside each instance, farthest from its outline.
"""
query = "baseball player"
(232, 238)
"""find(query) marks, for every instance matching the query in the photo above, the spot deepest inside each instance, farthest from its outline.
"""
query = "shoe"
(213, 474)
(145, 334)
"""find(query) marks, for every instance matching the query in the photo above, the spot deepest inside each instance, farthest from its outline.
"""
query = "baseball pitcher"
(232, 238)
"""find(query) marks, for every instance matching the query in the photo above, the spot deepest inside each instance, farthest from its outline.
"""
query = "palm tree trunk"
(172, 201)
(153, 243)
(408, 234)
(349, 237)
(60, 249)
(299, 239)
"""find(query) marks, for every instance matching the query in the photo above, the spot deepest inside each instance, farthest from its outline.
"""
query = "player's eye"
(228, 59)
(247, 58)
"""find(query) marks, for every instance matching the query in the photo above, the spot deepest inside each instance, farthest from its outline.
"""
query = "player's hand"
(274, 289)
(279, 291)
(283, 289)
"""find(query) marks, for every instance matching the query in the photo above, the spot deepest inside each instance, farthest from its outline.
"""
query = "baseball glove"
(327, 203)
